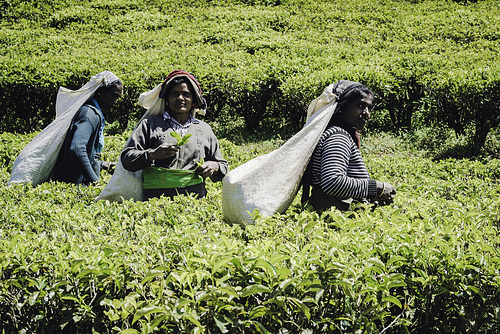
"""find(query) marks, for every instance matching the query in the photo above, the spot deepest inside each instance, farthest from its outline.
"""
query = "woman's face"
(357, 113)
(107, 98)
(180, 100)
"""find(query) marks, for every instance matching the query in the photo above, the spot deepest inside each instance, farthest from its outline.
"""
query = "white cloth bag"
(124, 184)
(269, 183)
(36, 161)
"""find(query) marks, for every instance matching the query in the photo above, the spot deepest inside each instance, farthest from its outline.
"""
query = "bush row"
(427, 264)
(429, 62)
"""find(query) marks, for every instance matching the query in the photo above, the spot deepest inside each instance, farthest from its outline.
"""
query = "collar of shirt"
(100, 144)
(178, 127)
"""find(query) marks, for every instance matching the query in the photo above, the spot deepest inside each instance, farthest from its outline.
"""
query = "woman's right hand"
(162, 152)
(385, 193)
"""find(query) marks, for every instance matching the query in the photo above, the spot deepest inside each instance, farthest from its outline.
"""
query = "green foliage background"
(429, 62)
(427, 264)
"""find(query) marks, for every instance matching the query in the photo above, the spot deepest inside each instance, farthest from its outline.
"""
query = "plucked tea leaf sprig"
(180, 140)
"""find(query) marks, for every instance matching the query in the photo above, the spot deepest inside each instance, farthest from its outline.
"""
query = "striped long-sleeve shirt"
(338, 168)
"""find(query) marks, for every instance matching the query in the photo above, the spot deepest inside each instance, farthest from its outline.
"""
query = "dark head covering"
(335, 93)
(343, 89)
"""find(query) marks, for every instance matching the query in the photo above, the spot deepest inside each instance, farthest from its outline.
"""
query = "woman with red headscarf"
(169, 166)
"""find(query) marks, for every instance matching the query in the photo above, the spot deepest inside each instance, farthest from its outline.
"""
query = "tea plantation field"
(429, 263)
(428, 62)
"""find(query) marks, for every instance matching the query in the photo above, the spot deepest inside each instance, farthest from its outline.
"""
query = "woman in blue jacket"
(78, 160)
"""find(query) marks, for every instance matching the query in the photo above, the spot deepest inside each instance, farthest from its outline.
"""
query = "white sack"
(36, 161)
(270, 182)
(124, 184)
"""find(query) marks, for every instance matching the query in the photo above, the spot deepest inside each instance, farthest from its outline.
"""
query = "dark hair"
(108, 87)
(175, 81)
(353, 94)
(114, 83)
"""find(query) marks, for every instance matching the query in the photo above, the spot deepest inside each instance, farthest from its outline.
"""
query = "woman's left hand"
(207, 169)
(386, 193)
(109, 166)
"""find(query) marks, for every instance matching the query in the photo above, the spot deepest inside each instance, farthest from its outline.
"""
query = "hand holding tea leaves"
(385, 193)
(206, 168)
(165, 151)
(109, 166)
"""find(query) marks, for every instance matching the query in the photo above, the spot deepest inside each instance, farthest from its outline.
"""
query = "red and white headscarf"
(155, 103)
(200, 102)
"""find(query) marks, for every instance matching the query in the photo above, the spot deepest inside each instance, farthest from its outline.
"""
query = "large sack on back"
(36, 161)
(270, 182)
(124, 184)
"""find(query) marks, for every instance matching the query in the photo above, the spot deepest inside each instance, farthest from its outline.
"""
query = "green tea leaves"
(174, 265)
(200, 162)
(180, 140)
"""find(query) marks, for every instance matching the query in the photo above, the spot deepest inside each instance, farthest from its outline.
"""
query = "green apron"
(161, 178)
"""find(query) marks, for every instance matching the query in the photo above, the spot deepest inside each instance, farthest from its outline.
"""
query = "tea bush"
(429, 62)
(427, 264)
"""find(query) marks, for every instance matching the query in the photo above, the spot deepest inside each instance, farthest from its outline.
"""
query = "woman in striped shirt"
(339, 175)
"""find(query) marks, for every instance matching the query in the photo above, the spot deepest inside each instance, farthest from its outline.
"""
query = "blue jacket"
(78, 162)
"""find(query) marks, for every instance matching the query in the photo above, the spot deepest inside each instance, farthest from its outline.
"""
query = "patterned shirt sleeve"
(341, 169)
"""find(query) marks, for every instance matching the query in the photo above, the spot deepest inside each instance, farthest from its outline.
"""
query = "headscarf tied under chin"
(334, 93)
(155, 103)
